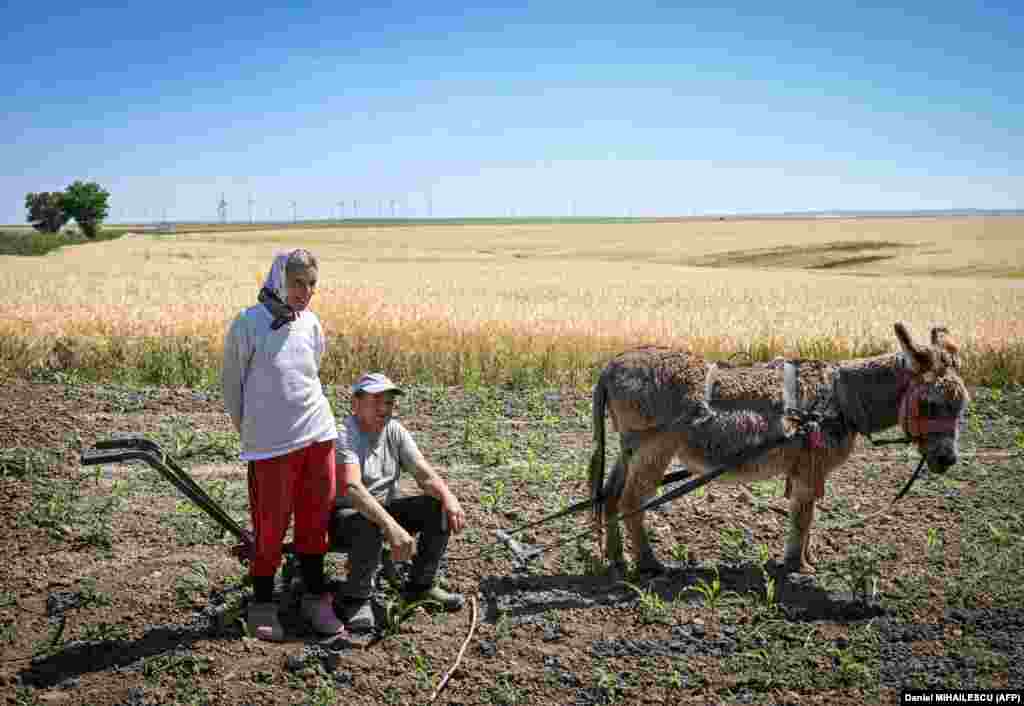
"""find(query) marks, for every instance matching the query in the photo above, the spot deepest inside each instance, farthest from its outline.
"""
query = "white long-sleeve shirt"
(271, 384)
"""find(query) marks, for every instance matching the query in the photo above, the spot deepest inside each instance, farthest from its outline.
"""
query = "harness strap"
(790, 385)
(709, 382)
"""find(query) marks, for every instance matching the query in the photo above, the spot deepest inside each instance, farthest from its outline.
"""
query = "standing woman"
(273, 393)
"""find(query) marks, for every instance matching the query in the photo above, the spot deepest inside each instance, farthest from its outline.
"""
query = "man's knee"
(434, 521)
(349, 528)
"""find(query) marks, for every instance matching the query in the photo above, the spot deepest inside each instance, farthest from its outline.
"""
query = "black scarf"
(281, 311)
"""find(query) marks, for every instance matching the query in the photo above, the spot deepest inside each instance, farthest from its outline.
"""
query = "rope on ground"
(462, 650)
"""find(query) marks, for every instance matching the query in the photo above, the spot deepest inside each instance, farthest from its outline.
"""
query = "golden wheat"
(409, 296)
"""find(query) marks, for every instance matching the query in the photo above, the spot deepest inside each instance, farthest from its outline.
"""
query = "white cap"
(375, 383)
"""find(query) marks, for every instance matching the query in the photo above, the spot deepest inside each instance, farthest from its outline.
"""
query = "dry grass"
(492, 302)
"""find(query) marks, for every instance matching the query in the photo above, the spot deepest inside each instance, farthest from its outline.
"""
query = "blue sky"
(547, 108)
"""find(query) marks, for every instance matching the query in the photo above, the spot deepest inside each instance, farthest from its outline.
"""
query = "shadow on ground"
(217, 621)
(523, 597)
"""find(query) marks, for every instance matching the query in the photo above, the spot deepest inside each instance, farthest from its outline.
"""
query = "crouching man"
(372, 451)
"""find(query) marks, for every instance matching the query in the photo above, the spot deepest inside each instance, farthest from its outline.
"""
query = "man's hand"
(453, 510)
(403, 546)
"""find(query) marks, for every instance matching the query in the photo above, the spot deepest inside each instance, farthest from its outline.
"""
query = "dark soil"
(117, 591)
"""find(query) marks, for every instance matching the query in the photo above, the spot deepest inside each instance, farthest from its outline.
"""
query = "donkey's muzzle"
(942, 462)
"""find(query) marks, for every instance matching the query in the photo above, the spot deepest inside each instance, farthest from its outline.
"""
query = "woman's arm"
(236, 361)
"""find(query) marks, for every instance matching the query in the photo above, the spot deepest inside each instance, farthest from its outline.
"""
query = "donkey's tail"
(597, 458)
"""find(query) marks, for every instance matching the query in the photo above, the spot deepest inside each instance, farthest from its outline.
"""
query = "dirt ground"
(116, 591)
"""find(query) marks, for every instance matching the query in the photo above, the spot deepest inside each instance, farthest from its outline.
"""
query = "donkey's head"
(934, 398)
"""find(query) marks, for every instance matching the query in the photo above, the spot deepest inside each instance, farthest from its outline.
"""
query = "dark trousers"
(352, 533)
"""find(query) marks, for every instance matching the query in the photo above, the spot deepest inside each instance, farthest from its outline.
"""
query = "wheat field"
(489, 301)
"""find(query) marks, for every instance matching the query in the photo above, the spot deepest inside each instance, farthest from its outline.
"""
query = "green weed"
(26, 696)
(502, 626)
(609, 684)
(103, 632)
(90, 596)
(504, 692)
(733, 546)
(51, 644)
(180, 666)
(21, 463)
(8, 632)
(860, 571)
(192, 588)
(496, 497)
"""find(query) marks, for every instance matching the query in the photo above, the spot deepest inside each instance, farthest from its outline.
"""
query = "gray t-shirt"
(381, 457)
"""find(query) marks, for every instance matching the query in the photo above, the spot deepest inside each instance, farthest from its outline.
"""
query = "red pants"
(303, 481)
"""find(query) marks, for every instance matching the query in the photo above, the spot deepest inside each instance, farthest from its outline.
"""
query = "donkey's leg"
(646, 468)
(802, 497)
(612, 501)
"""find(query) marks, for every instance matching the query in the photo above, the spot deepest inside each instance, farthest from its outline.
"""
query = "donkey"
(667, 403)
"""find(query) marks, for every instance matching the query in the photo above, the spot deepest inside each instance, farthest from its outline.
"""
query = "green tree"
(86, 202)
(46, 210)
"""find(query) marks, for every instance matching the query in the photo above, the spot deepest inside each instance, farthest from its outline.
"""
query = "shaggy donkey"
(669, 403)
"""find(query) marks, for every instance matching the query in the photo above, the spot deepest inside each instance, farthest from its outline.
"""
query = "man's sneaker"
(263, 622)
(318, 610)
(445, 599)
(359, 615)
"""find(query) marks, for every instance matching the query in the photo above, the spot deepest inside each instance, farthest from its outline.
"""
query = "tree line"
(86, 202)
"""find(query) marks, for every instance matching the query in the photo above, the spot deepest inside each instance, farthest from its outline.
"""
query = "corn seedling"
(491, 500)
(710, 590)
(651, 606)
(680, 552)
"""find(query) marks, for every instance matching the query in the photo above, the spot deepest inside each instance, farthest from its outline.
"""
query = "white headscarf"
(276, 278)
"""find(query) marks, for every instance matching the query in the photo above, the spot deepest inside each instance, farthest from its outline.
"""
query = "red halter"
(913, 410)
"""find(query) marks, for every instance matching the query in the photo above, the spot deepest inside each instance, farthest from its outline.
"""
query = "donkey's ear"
(942, 339)
(918, 357)
(906, 342)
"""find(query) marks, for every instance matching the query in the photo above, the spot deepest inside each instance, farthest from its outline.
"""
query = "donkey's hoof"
(798, 566)
(793, 565)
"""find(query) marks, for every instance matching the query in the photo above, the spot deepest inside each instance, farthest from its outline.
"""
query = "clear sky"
(548, 108)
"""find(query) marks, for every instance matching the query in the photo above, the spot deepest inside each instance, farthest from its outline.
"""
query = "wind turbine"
(251, 203)
(222, 209)
(294, 217)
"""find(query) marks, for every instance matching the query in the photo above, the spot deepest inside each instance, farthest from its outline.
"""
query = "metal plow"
(137, 448)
